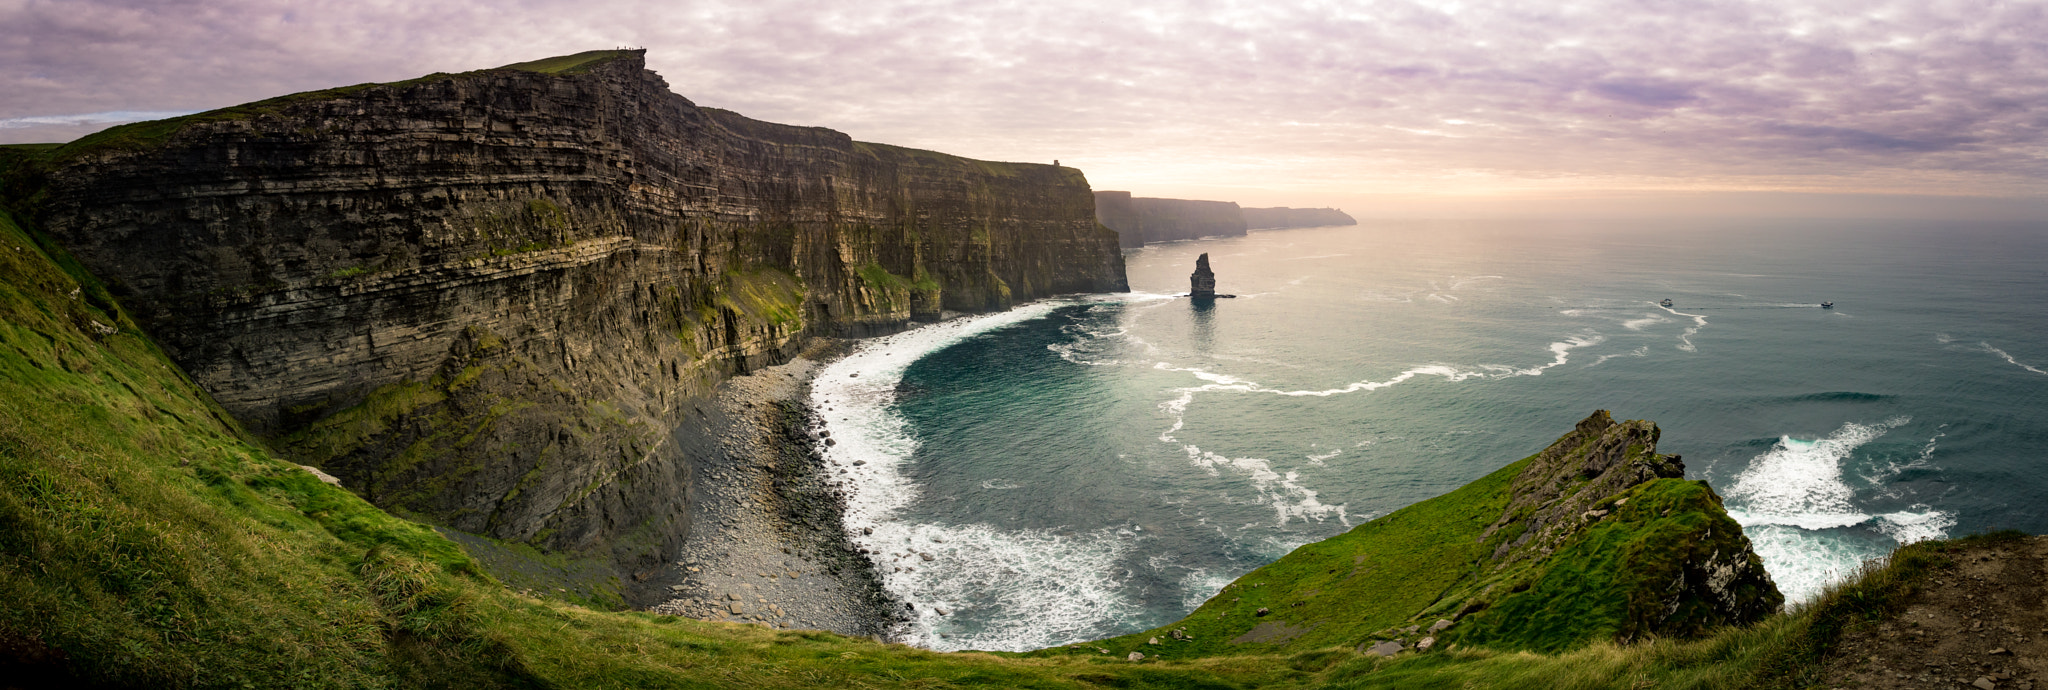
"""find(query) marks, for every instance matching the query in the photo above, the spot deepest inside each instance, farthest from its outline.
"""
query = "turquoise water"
(1087, 467)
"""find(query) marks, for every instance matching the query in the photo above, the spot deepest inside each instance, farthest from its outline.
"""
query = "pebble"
(743, 533)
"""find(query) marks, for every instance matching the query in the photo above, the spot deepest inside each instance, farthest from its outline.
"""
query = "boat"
(1827, 305)
(1665, 304)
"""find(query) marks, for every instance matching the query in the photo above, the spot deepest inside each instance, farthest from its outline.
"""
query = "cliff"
(485, 299)
(1597, 537)
(1141, 220)
(146, 542)
(1282, 217)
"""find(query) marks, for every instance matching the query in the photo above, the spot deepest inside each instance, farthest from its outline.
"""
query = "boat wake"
(1982, 346)
(1699, 321)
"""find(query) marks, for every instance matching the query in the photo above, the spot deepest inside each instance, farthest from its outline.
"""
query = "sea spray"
(1802, 515)
(1029, 588)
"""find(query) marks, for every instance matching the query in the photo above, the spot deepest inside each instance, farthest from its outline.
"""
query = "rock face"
(487, 298)
(1115, 210)
(1602, 499)
(1282, 217)
(1141, 220)
(1202, 283)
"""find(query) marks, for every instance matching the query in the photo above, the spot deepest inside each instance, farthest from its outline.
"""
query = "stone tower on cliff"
(1202, 284)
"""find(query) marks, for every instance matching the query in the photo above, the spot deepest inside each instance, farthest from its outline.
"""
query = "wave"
(1793, 502)
(1007, 590)
(1643, 351)
(1288, 498)
(1837, 396)
(1027, 588)
(1647, 321)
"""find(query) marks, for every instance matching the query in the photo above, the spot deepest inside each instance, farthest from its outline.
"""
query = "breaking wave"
(1797, 508)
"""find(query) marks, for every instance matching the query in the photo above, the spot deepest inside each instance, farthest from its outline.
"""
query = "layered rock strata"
(1142, 220)
(486, 298)
(1282, 217)
(1202, 283)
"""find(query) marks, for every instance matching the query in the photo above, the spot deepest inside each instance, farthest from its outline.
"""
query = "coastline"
(768, 544)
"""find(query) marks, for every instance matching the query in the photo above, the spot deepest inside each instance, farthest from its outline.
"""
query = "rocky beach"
(768, 544)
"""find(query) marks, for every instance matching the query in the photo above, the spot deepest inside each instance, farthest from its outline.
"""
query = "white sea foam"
(2009, 360)
(1025, 589)
(1638, 352)
(1789, 498)
(1645, 322)
(1685, 339)
(1288, 498)
(1198, 585)
(1033, 588)
(1983, 346)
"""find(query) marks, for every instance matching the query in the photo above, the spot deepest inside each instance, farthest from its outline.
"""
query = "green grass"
(1435, 560)
(765, 295)
(934, 159)
(1346, 587)
(146, 540)
(572, 64)
(145, 135)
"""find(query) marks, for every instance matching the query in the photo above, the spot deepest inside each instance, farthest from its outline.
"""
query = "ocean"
(1090, 466)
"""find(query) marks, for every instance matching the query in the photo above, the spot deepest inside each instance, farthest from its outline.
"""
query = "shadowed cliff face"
(1141, 220)
(486, 298)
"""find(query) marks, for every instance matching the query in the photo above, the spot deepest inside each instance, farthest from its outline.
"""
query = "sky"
(1385, 109)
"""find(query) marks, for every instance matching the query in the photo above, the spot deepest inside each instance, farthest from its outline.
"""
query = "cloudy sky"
(1382, 108)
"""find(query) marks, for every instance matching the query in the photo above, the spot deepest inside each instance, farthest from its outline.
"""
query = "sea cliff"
(1282, 217)
(484, 299)
(1141, 220)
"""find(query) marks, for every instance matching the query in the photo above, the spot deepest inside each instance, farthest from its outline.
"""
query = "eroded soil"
(1982, 623)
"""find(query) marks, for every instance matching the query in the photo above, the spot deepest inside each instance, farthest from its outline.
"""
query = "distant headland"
(1139, 220)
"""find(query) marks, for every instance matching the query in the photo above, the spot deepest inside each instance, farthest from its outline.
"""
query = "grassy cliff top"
(1575, 544)
(151, 133)
(922, 157)
(575, 64)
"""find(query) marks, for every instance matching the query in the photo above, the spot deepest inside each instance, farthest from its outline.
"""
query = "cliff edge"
(485, 299)
(1141, 220)
(1597, 537)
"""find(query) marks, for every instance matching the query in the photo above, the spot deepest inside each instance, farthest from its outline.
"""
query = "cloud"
(1308, 98)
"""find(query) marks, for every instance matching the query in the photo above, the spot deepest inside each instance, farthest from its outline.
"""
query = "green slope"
(146, 541)
(1578, 543)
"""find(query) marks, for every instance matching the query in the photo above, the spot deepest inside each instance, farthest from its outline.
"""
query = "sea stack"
(1202, 284)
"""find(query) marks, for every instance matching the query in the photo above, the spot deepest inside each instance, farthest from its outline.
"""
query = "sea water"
(1096, 465)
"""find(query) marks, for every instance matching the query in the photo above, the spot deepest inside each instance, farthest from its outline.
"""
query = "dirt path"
(1982, 623)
